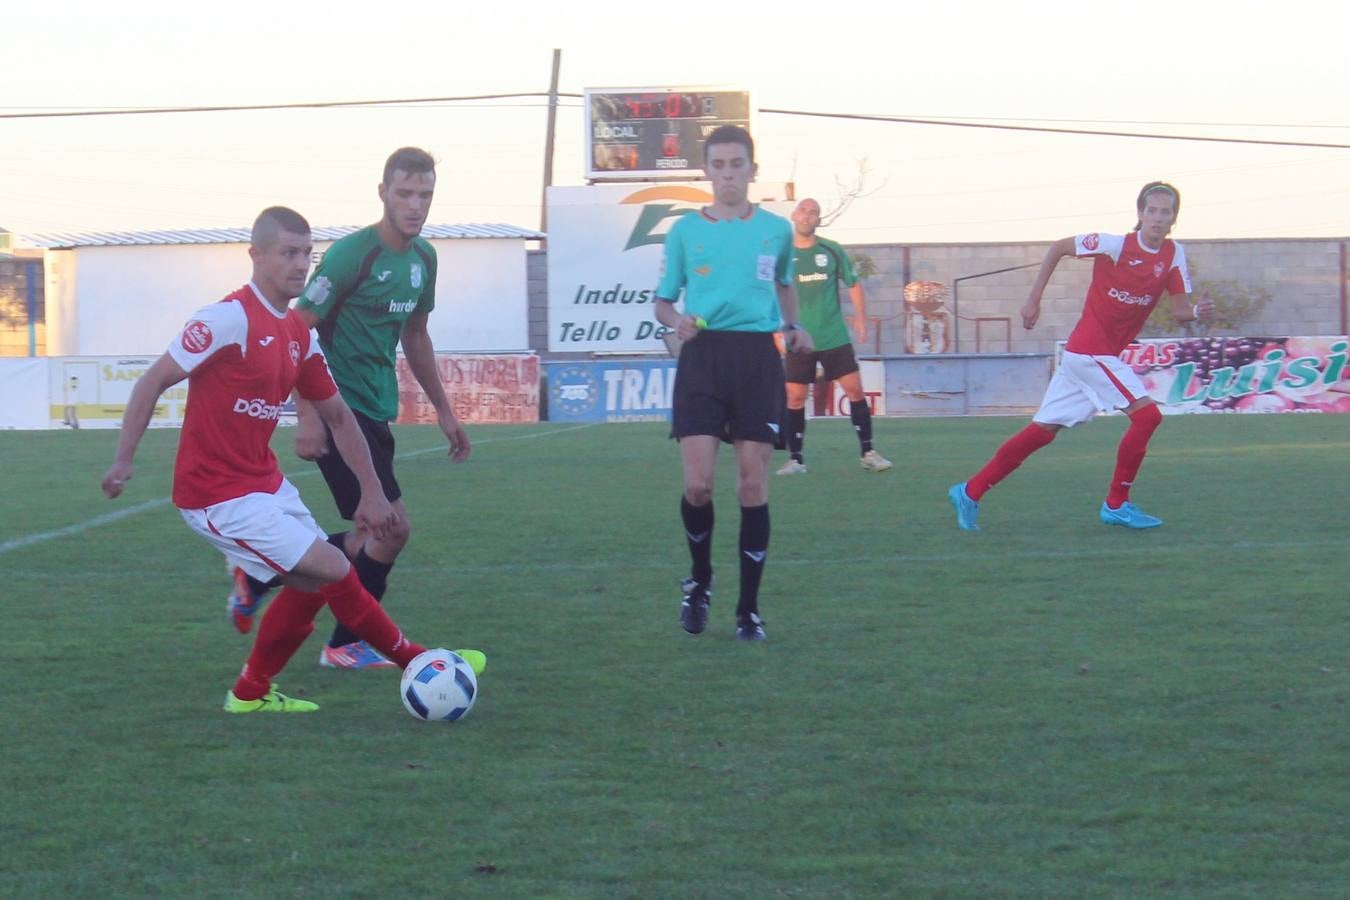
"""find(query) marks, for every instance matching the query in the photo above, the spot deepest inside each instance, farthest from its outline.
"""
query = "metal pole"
(31, 272)
(548, 141)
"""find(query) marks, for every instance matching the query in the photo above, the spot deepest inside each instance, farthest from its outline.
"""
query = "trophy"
(926, 317)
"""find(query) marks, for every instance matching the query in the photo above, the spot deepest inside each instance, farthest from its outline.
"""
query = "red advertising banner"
(483, 388)
(1244, 374)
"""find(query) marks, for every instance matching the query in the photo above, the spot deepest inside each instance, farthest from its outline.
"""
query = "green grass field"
(1047, 708)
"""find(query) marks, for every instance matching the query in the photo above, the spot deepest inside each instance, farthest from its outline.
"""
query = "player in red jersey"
(1130, 274)
(242, 357)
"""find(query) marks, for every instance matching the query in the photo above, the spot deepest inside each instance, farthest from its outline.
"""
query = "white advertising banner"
(23, 392)
(92, 392)
(604, 255)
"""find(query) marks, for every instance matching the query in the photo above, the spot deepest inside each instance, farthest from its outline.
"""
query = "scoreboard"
(656, 132)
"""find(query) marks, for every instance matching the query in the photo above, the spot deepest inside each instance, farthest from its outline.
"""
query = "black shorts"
(342, 483)
(800, 368)
(729, 384)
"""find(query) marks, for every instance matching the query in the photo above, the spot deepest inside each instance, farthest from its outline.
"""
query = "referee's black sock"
(754, 546)
(374, 577)
(698, 529)
(795, 423)
(861, 414)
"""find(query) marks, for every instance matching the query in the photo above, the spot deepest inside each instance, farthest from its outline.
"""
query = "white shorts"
(263, 534)
(1086, 385)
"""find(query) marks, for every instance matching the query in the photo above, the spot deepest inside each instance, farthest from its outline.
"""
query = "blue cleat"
(966, 509)
(242, 603)
(1129, 516)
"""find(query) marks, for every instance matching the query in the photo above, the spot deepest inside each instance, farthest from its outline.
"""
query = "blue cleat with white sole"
(967, 510)
(1128, 516)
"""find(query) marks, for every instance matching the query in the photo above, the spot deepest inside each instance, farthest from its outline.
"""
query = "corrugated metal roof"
(54, 241)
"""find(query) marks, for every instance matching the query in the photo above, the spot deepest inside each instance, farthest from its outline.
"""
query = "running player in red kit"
(1130, 274)
(242, 357)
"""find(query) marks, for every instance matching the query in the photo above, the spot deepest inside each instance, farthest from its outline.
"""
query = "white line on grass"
(29, 540)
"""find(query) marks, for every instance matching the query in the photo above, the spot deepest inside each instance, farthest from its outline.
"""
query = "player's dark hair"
(730, 134)
(410, 160)
(273, 221)
(1143, 198)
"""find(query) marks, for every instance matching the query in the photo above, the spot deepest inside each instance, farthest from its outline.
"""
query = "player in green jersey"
(373, 290)
(821, 266)
(733, 263)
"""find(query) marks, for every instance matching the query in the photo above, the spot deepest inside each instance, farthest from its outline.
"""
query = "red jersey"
(1128, 279)
(243, 358)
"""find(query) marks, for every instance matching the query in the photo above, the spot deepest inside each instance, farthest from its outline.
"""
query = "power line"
(857, 117)
(329, 104)
(863, 117)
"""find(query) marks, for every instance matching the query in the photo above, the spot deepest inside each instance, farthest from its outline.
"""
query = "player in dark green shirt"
(373, 290)
(821, 266)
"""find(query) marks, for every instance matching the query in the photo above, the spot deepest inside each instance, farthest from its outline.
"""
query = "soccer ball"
(438, 685)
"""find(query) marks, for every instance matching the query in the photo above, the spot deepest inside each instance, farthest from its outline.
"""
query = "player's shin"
(1007, 458)
(861, 415)
(1130, 454)
(285, 625)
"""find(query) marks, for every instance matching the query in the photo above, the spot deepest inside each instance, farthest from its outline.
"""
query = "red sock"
(288, 620)
(1012, 454)
(358, 611)
(1130, 453)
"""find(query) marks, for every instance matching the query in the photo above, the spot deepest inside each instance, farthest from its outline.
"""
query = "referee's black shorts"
(342, 483)
(729, 384)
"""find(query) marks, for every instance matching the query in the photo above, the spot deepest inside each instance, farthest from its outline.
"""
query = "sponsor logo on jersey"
(196, 336)
(294, 348)
(814, 276)
(258, 408)
(402, 306)
(1131, 299)
(1091, 241)
(415, 275)
(318, 290)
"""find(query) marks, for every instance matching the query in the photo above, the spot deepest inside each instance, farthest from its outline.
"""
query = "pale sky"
(1232, 69)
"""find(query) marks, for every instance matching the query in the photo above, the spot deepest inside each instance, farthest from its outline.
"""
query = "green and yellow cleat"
(476, 659)
(272, 701)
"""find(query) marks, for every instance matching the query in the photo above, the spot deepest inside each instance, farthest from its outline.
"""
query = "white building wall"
(132, 300)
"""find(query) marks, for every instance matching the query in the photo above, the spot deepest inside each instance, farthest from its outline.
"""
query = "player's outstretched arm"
(162, 374)
(1031, 310)
(373, 512)
(421, 356)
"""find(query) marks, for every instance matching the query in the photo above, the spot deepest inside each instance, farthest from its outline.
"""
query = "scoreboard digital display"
(656, 132)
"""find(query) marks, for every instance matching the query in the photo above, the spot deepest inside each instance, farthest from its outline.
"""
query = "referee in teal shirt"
(733, 261)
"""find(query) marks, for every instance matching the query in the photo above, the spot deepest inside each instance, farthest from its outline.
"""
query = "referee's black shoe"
(694, 609)
(750, 627)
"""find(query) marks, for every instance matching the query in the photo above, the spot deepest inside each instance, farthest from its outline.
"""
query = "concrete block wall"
(1303, 278)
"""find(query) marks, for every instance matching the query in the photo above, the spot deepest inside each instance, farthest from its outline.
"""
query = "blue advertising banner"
(618, 391)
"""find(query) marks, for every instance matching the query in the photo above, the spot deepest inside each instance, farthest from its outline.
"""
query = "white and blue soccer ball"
(438, 686)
